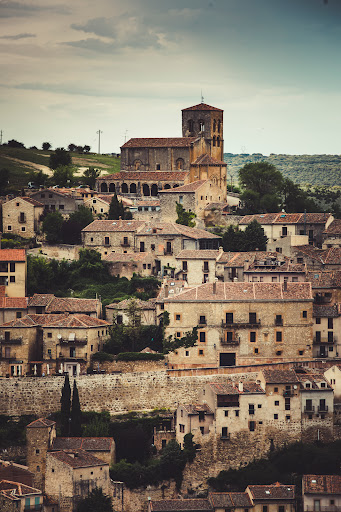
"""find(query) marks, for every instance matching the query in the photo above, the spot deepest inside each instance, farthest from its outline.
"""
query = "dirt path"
(32, 165)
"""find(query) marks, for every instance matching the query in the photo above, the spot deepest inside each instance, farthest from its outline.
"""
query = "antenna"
(202, 98)
(99, 141)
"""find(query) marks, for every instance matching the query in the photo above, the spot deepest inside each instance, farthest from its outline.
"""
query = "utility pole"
(0, 137)
(99, 141)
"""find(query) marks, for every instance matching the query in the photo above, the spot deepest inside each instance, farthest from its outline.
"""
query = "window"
(205, 266)
(152, 246)
(252, 336)
(184, 266)
(177, 316)
(277, 403)
(252, 425)
(281, 508)
(330, 323)
(119, 319)
(224, 432)
(12, 267)
(9, 228)
(205, 278)
(299, 260)
(184, 277)
(12, 279)
(287, 404)
(251, 409)
(178, 334)
(278, 353)
(229, 318)
(106, 240)
(278, 320)
(252, 318)
(202, 319)
(49, 334)
(304, 314)
(300, 352)
(187, 353)
(18, 314)
(265, 508)
(284, 231)
(275, 416)
(275, 390)
(23, 228)
(279, 336)
(158, 167)
(141, 246)
(201, 352)
(256, 350)
(61, 207)
(236, 413)
(37, 451)
(226, 413)
(274, 279)
(317, 320)
(202, 336)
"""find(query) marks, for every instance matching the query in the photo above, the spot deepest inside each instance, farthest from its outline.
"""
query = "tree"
(63, 176)
(233, 239)
(59, 158)
(97, 501)
(65, 407)
(15, 144)
(173, 462)
(117, 210)
(184, 217)
(86, 149)
(189, 339)
(189, 447)
(52, 227)
(262, 184)
(72, 147)
(46, 146)
(72, 228)
(254, 237)
(4, 180)
(90, 175)
(76, 413)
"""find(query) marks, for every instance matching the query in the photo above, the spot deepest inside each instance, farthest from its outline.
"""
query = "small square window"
(9, 228)
(226, 413)
(49, 334)
(236, 413)
(177, 317)
(275, 416)
(256, 351)
(37, 451)
(300, 352)
(304, 314)
(278, 353)
(18, 314)
(259, 406)
(201, 352)
(12, 279)
(23, 228)
(287, 418)
(276, 402)
(275, 390)
(178, 334)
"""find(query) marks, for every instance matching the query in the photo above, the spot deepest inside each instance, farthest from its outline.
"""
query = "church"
(149, 165)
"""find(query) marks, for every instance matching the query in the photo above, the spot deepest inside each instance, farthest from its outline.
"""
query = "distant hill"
(302, 169)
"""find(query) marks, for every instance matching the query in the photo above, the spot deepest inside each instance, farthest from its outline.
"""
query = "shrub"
(102, 356)
(139, 356)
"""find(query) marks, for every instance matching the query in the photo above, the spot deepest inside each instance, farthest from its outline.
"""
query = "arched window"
(214, 140)
(104, 187)
(175, 186)
(132, 188)
(146, 190)
(180, 163)
(112, 187)
(219, 124)
(214, 125)
(124, 188)
(191, 125)
(153, 190)
(167, 186)
(137, 165)
(218, 141)
(201, 126)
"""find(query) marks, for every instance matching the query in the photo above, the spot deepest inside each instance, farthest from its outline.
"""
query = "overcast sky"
(127, 68)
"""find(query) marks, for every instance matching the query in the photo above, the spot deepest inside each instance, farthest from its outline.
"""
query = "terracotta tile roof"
(332, 256)
(171, 228)
(229, 500)
(194, 409)
(322, 484)
(232, 388)
(13, 302)
(163, 142)
(124, 304)
(72, 305)
(113, 225)
(272, 492)
(334, 228)
(28, 200)
(203, 106)
(191, 187)
(40, 299)
(77, 458)
(286, 218)
(279, 376)
(63, 192)
(18, 489)
(117, 257)
(216, 206)
(240, 291)
(57, 320)
(326, 311)
(313, 379)
(196, 254)
(309, 251)
(41, 423)
(188, 505)
(284, 266)
(206, 159)
(262, 218)
(95, 444)
(12, 255)
(145, 176)
(237, 259)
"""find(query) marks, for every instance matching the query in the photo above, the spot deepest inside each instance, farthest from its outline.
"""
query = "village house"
(50, 344)
(332, 235)
(194, 419)
(271, 498)
(41, 304)
(237, 501)
(321, 493)
(333, 376)
(240, 323)
(326, 330)
(22, 216)
(12, 308)
(13, 273)
(100, 204)
(101, 447)
(146, 209)
(16, 473)
(18, 497)
(55, 199)
(326, 286)
(317, 259)
(124, 264)
(197, 267)
(120, 313)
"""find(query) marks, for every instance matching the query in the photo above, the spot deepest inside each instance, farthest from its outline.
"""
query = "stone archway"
(146, 189)
(112, 187)
(104, 187)
(132, 188)
(167, 186)
(154, 190)
(124, 188)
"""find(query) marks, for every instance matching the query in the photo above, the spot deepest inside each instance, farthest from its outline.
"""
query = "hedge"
(139, 356)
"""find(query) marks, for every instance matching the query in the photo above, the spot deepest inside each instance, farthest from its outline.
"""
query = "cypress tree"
(65, 405)
(76, 413)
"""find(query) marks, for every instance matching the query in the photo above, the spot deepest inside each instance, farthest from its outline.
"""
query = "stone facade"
(13, 272)
(39, 436)
(63, 200)
(21, 216)
(137, 184)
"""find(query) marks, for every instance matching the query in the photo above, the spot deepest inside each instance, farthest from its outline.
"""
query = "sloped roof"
(188, 505)
(29, 200)
(272, 492)
(209, 160)
(230, 387)
(77, 458)
(63, 304)
(197, 254)
(145, 176)
(230, 500)
(13, 302)
(286, 218)
(171, 228)
(113, 225)
(326, 310)
(237, 259)
(162, 142)
(41, 423)
(322, 484)
(279, 376)
(124, 304)
(334, 228)
(57, 320)
(12, 255)
(194, 409)
(18, 489)
(191, 187)
(40, 299)
(203, 106)
(95, 444)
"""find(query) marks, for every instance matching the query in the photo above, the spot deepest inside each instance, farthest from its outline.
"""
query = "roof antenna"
(202, 98)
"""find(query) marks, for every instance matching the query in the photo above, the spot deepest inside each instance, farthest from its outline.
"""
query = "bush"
(102, 356)
(139, 356)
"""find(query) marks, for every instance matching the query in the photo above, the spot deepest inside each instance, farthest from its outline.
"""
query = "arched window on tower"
(104, 187)
(132, 188)
(146, 190)
(191, 125)
(214, 125)
(153, 190)
(180, 164)
(218, 141)
(124, 188)
(214, 140)
(201, 126)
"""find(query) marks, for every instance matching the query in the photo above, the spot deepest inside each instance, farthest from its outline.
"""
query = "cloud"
(18, 36)
(13, 9)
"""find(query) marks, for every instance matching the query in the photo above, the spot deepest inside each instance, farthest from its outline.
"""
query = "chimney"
(240, 387)
(214, 288)
(166, 291)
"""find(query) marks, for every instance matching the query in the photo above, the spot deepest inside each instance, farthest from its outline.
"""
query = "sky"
(69, 69)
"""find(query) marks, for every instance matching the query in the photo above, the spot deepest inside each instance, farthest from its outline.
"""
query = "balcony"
(279, 322)
(324, 339)
(77, 341)
(11, 341)
(241, 325)
(125, 243)
(309, 409)
(322, 408)
(288, 393)
(233, 341)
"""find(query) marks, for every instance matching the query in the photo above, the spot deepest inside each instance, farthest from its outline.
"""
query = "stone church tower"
(40, 435)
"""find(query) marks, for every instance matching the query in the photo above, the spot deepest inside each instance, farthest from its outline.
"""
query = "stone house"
(18, 497)
(197, 267)
(240, 323)
(326, 330)
(280, 225)
(193, 418)
(100, 204)
(41, 304)
(272, 498)
(193, 197)
(50, 343)
(321, 493)
(317, 259)
(55, 199)
(40, 435)
(13, 273)
(332, 235)
(12, 308)
(180, 505)
(146, 209)
(333, 376)
(237, 501)
(16, 473)
(119, 312)
(326, 286)
(72, 475)
(127, 264)
(101, 447)
(22, 216)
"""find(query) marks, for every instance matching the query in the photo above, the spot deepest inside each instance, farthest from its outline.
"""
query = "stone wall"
(57, 252)
(129, 366)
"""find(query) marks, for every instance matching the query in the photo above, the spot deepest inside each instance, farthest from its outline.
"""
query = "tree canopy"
(90, 175)
(52, 227)
(97, 501)
(60, 157)
(184, 217)
(251, 239)
(118, 210)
